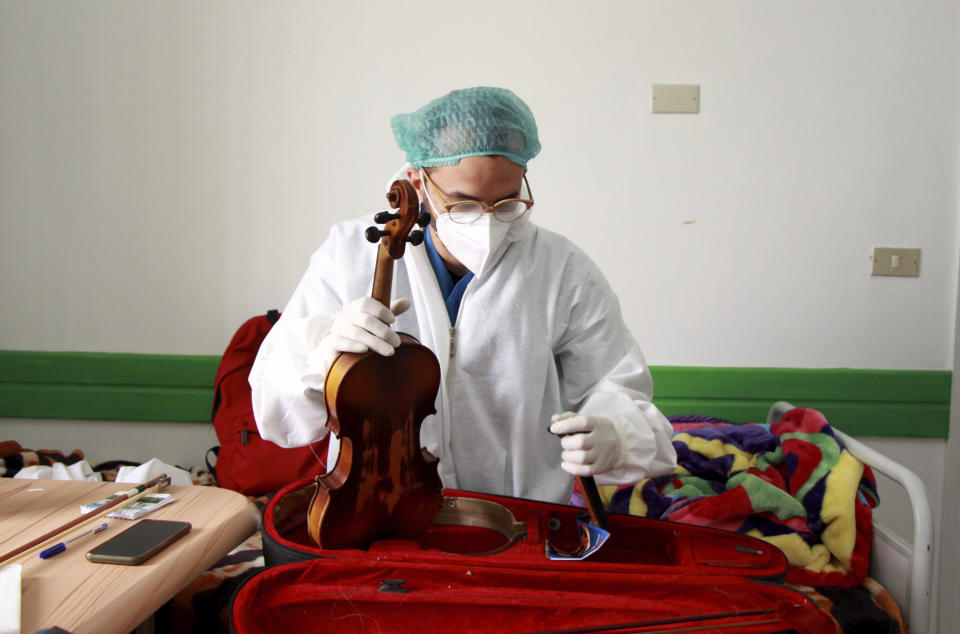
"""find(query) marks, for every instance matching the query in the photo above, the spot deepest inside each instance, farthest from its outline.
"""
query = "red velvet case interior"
(344, 596)
(649, 574)
(636, 543)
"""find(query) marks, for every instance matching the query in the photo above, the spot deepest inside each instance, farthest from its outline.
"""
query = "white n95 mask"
(474, 243)
(477, 244)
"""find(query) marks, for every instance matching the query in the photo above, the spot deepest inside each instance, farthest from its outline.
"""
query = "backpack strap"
(212, 468)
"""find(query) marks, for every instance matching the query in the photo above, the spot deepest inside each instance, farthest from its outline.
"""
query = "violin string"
(313, 450)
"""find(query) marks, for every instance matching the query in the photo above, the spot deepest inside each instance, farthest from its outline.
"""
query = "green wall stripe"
(179, 388)
(913, 386)
(104, 368)
(905, 403)
(106, 402)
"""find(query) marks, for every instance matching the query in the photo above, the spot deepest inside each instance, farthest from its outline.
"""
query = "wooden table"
(70, 592)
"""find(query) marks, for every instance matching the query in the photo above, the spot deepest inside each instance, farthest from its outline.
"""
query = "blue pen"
(56, 549)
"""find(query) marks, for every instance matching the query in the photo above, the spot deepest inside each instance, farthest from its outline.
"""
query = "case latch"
(393, 585)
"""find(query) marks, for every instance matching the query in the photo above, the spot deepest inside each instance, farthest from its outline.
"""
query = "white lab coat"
(539, 333)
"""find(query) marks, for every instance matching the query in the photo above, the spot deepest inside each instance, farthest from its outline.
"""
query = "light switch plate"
(676, 98)
(896, 261)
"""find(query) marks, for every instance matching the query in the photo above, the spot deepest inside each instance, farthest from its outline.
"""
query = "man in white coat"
(527, 331)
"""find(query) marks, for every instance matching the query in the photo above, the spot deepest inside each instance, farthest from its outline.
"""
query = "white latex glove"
(364, 324)
(591, 444)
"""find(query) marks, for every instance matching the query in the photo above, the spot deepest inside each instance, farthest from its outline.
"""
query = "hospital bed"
(905, 569)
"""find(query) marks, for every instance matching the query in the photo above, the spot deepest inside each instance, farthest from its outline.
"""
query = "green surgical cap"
(471, 122)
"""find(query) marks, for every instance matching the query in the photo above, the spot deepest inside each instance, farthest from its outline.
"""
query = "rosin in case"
(139, 542)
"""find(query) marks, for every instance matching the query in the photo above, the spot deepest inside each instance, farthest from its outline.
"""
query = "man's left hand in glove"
(591, 444)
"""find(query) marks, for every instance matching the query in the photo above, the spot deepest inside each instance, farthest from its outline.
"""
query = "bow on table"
(124, 497)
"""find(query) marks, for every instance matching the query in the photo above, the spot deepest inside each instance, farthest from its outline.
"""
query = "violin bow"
(124, 497)
(591, 495)
(677, 620)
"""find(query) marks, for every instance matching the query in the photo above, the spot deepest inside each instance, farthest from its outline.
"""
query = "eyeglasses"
(467, 211)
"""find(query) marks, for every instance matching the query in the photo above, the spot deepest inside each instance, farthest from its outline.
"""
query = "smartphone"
(139, 543)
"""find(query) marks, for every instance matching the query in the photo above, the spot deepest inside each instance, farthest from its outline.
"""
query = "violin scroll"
(399, 229)
(397, 232)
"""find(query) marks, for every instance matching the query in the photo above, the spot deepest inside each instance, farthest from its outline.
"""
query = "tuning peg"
(373, 234)
(384, 217)
(424, 218)
(415, 237)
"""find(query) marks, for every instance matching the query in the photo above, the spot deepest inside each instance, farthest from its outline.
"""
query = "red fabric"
(648, 570)
(246, 462)
(331, 595)
(635, 542)
(724, 511)
(809, 458)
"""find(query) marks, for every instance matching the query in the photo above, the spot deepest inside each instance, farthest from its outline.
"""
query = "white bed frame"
(904, 569)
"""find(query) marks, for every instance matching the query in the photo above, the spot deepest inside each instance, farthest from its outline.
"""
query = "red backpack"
(246, 462)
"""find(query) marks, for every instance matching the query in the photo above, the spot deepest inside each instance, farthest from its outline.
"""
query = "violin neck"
(383, 277)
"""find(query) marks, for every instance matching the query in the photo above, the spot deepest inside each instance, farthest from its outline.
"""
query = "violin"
(382, 485)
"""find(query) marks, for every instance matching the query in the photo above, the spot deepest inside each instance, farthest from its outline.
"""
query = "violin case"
(483, 567)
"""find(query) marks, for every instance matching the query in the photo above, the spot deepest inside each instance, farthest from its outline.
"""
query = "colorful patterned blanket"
(791, 483)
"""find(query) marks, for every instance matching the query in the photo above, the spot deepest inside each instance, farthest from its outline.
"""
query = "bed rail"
(916, 605)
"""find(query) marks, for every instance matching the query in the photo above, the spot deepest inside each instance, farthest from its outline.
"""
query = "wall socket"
(896, 262)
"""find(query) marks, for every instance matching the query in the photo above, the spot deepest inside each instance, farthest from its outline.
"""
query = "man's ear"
(413, 175)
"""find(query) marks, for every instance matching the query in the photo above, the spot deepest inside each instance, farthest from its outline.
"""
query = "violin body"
(382, 485)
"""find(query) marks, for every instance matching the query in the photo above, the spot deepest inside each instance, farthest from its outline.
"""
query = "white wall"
(948, 546)
(167, 168)
(181, 444)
